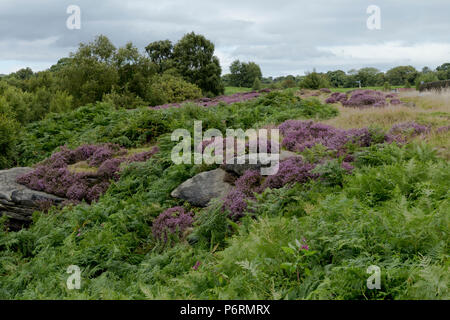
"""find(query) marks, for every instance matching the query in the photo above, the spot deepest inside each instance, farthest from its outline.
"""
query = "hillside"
(365, 182)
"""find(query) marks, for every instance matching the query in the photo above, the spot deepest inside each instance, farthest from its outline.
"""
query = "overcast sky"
(283, 36)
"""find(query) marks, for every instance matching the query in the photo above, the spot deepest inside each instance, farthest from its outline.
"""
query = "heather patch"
(211, 102)
(172, 222)
(56, 175)
(300, 135)
(401, 132)
(364, 99)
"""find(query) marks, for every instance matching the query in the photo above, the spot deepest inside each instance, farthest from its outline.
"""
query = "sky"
(282, 36)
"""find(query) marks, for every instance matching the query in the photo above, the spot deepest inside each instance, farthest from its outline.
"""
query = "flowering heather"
(300, 135)
(365, 98)
(395, 102)
(291, 171)
(211, 102)
(236, 202)
(325, 90)
(53, 175)
(245, 186)
(443, 129)
(401, 131)
(337, 97)
(172, 221)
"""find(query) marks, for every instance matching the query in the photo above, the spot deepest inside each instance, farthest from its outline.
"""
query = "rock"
(237, 168)
(17, 201)
(205, 186)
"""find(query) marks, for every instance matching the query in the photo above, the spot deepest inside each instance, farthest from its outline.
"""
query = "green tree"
(195, 60)
(9, 129)
(337, 78)
(314, 80)
(443, 71)
(161, 53)
(91, 72)
(256, 84)
(244, 74)
(399, 75)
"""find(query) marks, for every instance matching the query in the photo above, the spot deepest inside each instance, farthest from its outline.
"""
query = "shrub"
(256, 84)
(170, 89)
(9, 129)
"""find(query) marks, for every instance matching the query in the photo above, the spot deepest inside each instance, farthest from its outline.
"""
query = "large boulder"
(205, 186)
(19, 202)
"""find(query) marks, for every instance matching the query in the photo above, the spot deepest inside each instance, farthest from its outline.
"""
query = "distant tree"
(23, 74)
(288, 83)
(244, 74)
(426, 77)
(161, 53)
(337, 78)
(399, 75)
(134, 71)
(256, 84)
(443, 71)
(315, 80)
(195, 60)
(91, 72)
(369, 77)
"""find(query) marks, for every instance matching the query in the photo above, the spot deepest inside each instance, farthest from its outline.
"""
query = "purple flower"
(172, 221)
(197, 265)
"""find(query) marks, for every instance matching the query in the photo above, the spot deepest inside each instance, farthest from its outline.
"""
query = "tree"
(399, 75)
(161, 53)
(369, 77)
(314, 80)
(256, 84)
(195, 60)
(337, 78)
(443, 71)
(244, 74)
(91, 72)
(23, 74)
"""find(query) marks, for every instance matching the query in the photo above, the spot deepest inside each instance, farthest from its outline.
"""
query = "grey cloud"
(283, 36)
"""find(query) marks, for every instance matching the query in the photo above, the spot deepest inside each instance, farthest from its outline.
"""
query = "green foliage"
(314, 80)
(195, 60)
(399, 75)
(9, 129)
(167, 88)
(256, 84)
(244, 74)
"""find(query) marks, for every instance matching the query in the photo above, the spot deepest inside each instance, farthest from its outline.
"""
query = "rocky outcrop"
(17, 201)
(202, 188)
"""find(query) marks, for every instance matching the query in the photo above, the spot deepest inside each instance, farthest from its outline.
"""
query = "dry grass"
(425, 108)
(429, 108)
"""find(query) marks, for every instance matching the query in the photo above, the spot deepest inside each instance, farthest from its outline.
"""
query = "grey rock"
(17, 201)
(202, 188)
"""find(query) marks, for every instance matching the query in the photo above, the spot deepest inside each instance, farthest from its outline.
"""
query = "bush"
(168, 89)
(9, 130)
(256, 84)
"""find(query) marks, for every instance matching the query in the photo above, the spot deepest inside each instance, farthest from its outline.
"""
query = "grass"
(363, 88)
(232, 90)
